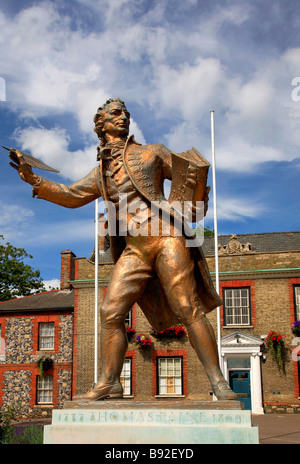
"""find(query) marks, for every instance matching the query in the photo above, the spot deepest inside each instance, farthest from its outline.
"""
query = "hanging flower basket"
(43, 363)
(143, 341)
(174, 331)
(296, 328)
(130, 332)
(275, 345)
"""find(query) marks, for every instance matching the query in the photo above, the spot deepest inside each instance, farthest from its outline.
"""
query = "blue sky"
(171, 62)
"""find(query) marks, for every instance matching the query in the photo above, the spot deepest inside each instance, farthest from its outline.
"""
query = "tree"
(208, 232)
(16, 277)
(201, 231)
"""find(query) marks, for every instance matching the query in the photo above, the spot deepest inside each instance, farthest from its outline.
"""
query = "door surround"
(237, 345)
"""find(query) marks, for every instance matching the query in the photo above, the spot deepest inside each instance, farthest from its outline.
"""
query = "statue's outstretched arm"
(77, 194)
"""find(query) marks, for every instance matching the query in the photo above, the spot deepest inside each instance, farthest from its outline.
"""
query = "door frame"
(244, 346)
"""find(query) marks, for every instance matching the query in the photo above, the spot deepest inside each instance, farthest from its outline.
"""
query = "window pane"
(170, 376)
(46, 336)
(162, 386)
(45, 389)
(238, 363)
(178, 389)
(162, 367)
(170, 366)
(177, 366)
(128, 319)
(237, 308)
(297, 301)
(125, 377)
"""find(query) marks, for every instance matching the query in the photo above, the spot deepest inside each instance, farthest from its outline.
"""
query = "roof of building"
(263, 243)
(54, 299)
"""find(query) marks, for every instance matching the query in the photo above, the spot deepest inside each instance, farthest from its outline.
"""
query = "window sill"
(169, 396)
(48, 350)
(44, 405)
(238, 327)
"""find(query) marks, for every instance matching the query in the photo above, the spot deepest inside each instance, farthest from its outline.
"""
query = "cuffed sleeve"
(77, 194)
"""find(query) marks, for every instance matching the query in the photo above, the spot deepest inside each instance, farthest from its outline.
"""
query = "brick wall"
(67, 271)
(270, 310)
(18, 369)
(296, 345)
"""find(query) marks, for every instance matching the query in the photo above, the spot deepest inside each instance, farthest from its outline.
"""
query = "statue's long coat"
(147, 166)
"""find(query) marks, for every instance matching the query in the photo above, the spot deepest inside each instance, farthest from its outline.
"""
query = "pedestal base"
(151, 422)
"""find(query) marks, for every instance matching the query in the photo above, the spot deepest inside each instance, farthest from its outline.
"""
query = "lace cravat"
(110, 150)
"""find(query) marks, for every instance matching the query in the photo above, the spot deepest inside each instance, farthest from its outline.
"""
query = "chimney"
(67, 269)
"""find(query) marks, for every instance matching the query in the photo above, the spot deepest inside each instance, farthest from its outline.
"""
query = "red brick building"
(259, 284)
(32, 328)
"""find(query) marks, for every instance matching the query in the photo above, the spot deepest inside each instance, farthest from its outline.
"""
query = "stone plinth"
(151, 422)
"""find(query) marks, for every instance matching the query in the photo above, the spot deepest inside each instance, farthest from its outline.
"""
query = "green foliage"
(7, 415)
(208, 232)
(16, 432)
(24, 434)
(16, 277)
(275, 345)
(204, 231)
(43, 363)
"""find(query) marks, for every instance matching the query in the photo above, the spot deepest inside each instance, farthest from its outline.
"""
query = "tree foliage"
(204, 231)
(17, 278)
(208, 232)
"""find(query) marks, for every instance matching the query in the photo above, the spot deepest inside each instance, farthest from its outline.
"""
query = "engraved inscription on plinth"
(152, 416)
(138, 422)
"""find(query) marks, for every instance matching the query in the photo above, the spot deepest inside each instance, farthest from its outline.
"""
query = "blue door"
(239, 382)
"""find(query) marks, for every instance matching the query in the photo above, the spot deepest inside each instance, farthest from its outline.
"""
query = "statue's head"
(114, 112)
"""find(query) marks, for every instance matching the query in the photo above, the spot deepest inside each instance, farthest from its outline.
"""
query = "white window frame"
(2, 346)
(237, 313)
(169, 372)
(128, 319)
(297, 302)
(46, 336)
(126, 377)
(44, 389)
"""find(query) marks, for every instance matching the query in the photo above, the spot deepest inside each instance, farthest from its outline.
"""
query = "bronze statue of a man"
(169, 280)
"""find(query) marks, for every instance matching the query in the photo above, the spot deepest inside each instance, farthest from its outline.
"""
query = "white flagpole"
(216, 231)
(96, 288)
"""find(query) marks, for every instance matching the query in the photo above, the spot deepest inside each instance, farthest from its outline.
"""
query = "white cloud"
(187, 135)
(136, 131)
(51, 284)
(237, 154)
(14, 220)
(256, 119)
(2, 89)
(54, 68)
(84, 102)
(51, 146)
(188, 90)
(236, 208)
